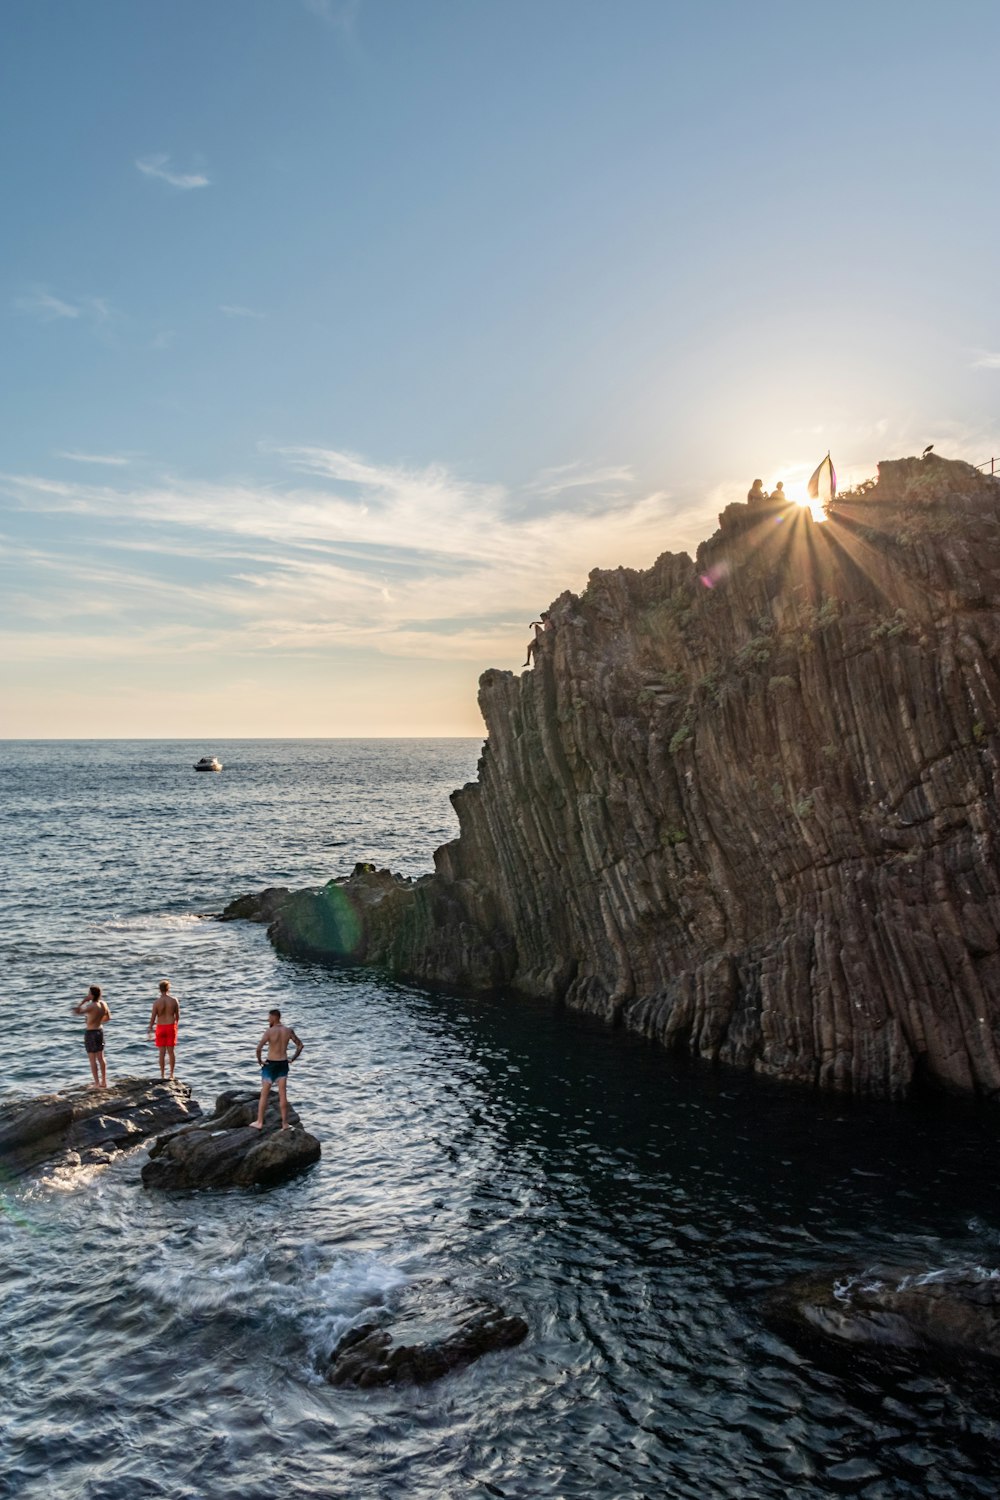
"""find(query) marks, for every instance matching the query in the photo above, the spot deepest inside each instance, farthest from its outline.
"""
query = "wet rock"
(371, 1354)
(954, 1311)
(376, 916)
(222, 1150)
(262, 906)
(92, 1123)
(744, 804)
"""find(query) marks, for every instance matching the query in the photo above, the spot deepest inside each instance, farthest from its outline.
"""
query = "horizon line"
(172, 739)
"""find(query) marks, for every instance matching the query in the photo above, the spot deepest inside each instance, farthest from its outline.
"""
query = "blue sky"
(342, 335)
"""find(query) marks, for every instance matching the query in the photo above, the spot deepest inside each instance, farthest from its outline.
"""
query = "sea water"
(634, 1210)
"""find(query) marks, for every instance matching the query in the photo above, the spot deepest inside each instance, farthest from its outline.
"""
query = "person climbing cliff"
(541, 628)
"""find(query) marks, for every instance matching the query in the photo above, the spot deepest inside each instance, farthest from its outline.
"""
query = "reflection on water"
(635, 1211)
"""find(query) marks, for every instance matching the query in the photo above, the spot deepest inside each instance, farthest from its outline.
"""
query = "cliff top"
(921, 538)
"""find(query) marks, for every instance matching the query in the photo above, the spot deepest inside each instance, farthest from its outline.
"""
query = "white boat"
(208, 763)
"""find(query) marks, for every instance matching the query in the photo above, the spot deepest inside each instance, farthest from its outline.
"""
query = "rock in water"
(746, 805)
(261, 907)
(93, 1123)
(368, 1355)
(223, 1150)
(951, 1311)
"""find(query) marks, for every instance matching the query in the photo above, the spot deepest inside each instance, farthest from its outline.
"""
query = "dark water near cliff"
(635, 1211)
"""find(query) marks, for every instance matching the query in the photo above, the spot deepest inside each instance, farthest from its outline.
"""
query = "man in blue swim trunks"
(275, 1070)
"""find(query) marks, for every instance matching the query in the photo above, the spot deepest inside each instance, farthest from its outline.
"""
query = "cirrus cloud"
(347, 553)
(159, 166)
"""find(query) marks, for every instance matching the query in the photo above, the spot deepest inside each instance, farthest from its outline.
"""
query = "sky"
(341, 336)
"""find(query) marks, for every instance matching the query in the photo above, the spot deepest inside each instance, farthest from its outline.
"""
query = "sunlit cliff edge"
(745, 805)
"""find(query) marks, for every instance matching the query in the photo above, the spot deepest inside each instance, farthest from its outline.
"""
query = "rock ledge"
(222, 1150)
(89, 1124)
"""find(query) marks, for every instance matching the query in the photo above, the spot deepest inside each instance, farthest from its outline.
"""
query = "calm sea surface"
(635, 1211)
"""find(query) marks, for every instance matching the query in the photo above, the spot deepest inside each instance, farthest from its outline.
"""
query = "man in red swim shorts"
(165, 1018)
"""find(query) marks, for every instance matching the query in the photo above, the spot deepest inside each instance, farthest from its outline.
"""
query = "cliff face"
(746, 805)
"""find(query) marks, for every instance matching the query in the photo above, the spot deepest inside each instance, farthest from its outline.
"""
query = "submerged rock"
(222, 1150)
(370, 1355)
(93, 1123)
(745, 804)
(953, 1311)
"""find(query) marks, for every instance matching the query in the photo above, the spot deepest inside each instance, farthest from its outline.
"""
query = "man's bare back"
(164, 1019)
(276, 1039)
(95, 1012)
(275, 1070)
(165, 1011)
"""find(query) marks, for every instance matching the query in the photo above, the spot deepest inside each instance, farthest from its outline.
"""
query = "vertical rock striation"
(745, 805)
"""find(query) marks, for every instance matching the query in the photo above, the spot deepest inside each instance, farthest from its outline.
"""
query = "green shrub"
(680, 738)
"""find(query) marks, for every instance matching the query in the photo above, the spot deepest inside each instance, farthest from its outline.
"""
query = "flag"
(823, 484)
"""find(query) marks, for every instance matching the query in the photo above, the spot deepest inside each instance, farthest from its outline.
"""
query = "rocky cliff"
(746, 805)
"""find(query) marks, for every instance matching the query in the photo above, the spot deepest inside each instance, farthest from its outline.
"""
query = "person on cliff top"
(276, 1039)
(165, 1018)
(95, 1009)
(756, 494)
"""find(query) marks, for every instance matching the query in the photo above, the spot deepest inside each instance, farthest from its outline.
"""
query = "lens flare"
(326, 922)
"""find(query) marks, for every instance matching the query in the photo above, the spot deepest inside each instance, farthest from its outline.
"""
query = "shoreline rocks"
(223, 1150)
(91, 1125)
(745, 804)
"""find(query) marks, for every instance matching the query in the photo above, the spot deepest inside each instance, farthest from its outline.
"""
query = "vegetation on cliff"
(746, 804)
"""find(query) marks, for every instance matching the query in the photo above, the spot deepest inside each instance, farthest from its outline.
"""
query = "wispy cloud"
(49, 308)
(342, 15)
(985, 360)
(412, 562)
(116, 460)
(561, 477)
(159, 166)
(233, 310)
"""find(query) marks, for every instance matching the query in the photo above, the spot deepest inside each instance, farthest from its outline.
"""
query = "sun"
(797, 491)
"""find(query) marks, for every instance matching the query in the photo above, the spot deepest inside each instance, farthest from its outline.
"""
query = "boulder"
(93, 1123)
(372, 1355)
(952, 1311)
(223, 1150)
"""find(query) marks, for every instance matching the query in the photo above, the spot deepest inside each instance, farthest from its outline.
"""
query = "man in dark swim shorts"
(96, 1011)
(275, 1070)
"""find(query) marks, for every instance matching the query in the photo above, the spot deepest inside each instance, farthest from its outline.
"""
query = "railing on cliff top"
(994, 464)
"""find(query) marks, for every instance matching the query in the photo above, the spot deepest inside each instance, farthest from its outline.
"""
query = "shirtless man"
(275, 1070)
(165, 1017)
(96, 1011)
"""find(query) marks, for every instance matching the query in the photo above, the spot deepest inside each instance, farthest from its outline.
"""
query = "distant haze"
(343, 335)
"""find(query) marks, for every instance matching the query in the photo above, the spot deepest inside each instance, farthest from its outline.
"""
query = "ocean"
(634, 1209)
